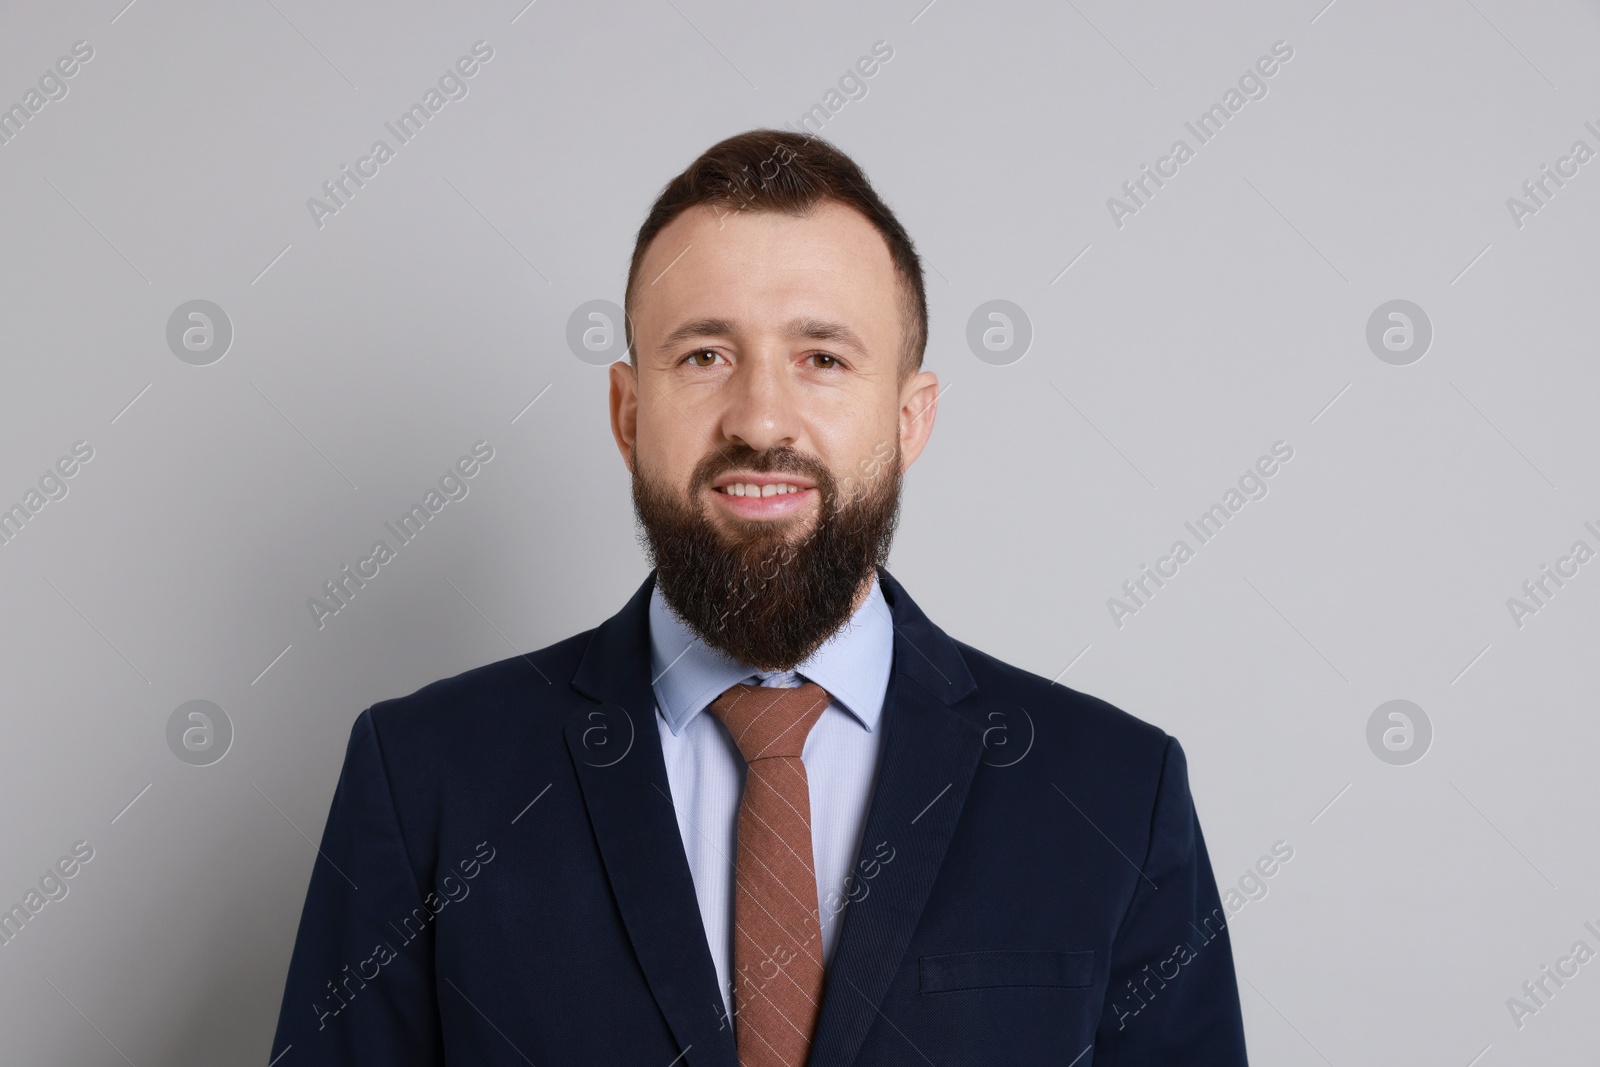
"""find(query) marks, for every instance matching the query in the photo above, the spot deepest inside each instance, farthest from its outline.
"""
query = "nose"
(762, 404)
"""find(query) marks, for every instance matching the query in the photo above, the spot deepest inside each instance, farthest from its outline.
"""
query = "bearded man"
(768, 813)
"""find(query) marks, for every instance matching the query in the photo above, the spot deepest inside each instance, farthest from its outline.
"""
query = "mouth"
(763, 496)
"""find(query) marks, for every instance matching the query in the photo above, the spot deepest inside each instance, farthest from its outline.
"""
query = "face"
(766, 424)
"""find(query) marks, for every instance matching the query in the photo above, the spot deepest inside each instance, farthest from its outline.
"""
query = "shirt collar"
(852, 665)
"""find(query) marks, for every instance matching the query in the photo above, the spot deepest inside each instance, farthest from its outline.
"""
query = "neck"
(862, 593)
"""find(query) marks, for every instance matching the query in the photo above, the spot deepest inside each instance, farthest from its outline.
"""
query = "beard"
(768, 593)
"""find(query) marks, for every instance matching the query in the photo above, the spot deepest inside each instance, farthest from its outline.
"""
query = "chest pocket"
(1007, 967)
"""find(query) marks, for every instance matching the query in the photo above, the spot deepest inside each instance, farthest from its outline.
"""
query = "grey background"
(1228, 314)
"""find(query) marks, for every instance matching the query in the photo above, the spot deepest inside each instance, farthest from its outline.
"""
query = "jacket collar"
(930, 752)
(617, 659)
(852, 665)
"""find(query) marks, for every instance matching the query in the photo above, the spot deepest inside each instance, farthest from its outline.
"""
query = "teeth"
(751, 489)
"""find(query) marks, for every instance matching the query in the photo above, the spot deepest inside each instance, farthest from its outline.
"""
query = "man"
(768, 813)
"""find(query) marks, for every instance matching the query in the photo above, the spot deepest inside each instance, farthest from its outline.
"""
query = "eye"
(697, 353)
(825, 360)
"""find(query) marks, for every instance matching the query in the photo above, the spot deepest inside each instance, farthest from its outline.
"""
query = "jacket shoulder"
(488, 697)
(1094, 726)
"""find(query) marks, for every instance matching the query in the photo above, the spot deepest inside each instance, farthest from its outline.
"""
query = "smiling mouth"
(748, 489)
(770, 498)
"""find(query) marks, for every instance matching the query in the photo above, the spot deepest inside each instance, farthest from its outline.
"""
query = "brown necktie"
(777, 954)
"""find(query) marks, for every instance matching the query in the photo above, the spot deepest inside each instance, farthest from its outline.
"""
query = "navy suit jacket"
(502, 881)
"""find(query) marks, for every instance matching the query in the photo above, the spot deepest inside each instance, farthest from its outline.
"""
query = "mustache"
(779, 459)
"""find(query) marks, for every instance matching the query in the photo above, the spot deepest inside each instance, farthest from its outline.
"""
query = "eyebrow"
(809, 328)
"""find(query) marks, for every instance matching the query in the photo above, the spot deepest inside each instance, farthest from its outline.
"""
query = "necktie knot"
(767, 722)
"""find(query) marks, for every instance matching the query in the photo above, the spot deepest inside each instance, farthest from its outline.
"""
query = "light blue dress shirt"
(706, 771)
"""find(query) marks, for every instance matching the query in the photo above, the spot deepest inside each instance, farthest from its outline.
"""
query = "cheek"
(859, 447)
(670, 441)
(868, 442)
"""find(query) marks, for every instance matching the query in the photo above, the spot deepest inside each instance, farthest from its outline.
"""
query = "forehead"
(755, 268)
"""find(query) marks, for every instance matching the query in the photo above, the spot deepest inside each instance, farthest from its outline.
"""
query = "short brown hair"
(805, 171)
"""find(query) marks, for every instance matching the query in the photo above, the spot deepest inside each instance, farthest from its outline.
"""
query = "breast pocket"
(1007, 967)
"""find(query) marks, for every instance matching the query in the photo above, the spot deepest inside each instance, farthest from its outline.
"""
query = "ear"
(624, 408)
(919, 403)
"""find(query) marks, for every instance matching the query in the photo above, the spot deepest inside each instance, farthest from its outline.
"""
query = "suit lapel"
(617, 755)
(930, 751)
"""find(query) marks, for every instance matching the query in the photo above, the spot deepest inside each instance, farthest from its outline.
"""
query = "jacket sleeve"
(360, 988)
(1172, 996)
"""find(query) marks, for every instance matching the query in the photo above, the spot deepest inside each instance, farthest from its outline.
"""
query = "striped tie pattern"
(777, 953)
